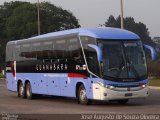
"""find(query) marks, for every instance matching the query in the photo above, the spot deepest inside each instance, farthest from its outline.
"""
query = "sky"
(92, 13)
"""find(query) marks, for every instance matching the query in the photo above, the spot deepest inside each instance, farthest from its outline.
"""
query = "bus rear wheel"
(82, 95)
(21, 90)
(29, 93)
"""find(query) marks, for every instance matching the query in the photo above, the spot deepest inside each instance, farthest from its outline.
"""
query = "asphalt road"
(10, 103)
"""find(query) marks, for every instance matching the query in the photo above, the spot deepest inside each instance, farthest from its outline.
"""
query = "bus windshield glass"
(123, 60)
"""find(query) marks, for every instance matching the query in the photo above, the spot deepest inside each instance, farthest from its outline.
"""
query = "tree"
(55, 18)
(18, 20)
(23, 24)
(6, 11)
(130, 24)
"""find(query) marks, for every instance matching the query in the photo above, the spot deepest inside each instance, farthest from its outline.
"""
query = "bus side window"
(17, 53)
(74, 49)
(60, 48)
(25, 51)
(53, 54)
(36, 51)
(9, 52)
(47, 49)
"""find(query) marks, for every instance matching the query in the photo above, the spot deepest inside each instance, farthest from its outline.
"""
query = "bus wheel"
(21, 90)
(123, 102)
(82, 95)
(29, 94)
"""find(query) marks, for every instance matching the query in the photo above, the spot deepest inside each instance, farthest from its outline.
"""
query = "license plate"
(128, 94)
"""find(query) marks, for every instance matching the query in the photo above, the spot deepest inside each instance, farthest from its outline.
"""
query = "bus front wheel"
(82, 95)
(29, 94)
(21, 90)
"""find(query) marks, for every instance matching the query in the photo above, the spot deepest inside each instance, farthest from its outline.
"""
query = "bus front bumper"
(103, 93)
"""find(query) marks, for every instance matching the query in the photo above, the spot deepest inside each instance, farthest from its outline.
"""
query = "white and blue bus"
(84, 63)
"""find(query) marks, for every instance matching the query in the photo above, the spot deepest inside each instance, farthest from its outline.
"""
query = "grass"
(155, 82)
(2, 76)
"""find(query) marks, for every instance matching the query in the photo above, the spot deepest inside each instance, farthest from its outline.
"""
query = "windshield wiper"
(109, 77)
(131, 67)
(122, 67)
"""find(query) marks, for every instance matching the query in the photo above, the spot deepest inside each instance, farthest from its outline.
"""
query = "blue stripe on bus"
(108, 82)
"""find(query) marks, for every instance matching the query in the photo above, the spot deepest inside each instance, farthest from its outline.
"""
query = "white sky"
(91, 13)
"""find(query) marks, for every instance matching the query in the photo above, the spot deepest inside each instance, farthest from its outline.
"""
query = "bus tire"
(123, 102)
(29, 93)
(21, 90)
(82, 95)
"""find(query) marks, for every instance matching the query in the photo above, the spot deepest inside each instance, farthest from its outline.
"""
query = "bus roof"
(99, 33)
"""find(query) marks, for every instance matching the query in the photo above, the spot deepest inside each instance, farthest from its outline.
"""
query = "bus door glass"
(90, 54)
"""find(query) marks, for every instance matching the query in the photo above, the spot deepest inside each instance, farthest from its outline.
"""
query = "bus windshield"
(123, 60)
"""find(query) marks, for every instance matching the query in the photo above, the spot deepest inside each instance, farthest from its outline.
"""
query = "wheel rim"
(28, 91)
(83, 95)
(21, 89)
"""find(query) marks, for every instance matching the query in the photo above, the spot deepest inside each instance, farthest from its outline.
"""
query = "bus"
(83, 63)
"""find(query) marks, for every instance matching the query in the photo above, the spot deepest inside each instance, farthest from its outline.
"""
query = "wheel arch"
(26, 81)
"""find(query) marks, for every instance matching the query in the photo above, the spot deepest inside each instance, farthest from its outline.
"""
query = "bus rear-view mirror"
(152, 51)
(98, 51)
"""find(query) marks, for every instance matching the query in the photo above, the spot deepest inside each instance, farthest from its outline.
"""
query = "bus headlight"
(145, 85)
(111, 87)
(106, 86)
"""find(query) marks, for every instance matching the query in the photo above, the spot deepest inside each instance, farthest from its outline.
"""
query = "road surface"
(10, 103)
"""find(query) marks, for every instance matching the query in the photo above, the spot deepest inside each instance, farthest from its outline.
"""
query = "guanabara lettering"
(51, 67)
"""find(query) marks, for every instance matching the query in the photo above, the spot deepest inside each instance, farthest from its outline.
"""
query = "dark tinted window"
(37, 51)
(74, 48)
(60, 48)
(17, 53)
(48, 50)
(25, 51)
(9, 51)
(55, 49)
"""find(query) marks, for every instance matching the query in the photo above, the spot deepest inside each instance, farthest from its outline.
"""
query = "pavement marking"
(2, 85)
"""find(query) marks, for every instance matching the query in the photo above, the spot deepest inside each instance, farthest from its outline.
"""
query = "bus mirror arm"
(98, 51)
(101, 65)
(152, 50)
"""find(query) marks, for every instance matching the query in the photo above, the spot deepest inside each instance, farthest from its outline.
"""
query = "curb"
(153, 87)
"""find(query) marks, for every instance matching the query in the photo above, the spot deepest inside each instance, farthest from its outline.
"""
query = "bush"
(2, 76)
(154, 69)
